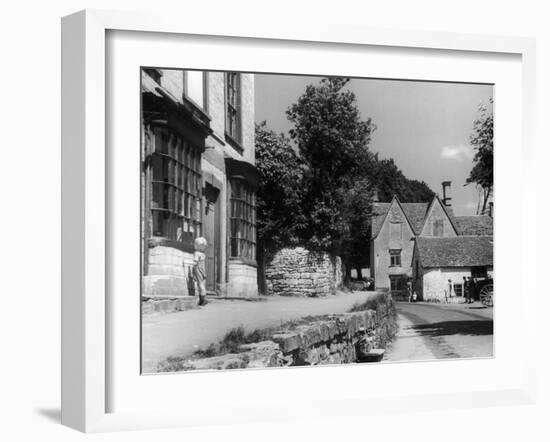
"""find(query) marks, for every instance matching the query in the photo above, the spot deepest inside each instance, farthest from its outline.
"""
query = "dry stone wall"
(333, 339)
(300, 272)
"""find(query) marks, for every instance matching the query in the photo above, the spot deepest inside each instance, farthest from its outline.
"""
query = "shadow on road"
(473, 328)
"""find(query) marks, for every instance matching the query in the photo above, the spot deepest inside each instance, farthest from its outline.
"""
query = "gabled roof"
(414, 212)
(458, 251)
(474, 225)
(447, 210)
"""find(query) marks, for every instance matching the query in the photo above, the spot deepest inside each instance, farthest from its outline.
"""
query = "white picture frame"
(85, 259)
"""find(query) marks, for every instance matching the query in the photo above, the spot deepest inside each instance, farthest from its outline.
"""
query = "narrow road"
(182, 333)
(440, 331)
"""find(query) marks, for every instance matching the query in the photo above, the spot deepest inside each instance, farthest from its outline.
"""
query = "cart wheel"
(486, 295)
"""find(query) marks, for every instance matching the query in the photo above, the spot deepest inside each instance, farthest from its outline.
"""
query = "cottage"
(198, 179)
(440, 265)
(396, 226)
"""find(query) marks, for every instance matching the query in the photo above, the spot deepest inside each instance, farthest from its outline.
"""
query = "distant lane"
(441, 331)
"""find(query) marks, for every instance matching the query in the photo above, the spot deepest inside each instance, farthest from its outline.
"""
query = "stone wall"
(243, 280)
(300, 272)
(333, 339)
(169, 273)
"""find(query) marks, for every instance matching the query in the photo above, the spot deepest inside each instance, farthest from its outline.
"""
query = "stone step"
(375, 355)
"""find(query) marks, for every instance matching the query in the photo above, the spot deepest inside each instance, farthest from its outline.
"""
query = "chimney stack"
(446, 185)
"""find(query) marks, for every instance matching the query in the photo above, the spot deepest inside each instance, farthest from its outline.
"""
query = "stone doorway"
(212, 234)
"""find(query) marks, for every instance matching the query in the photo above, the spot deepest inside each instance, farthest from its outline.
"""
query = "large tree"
(482, 141)
(332, 139)
(279, 196)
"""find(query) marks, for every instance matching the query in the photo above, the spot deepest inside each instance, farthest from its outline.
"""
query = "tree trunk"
(347, 273)
(260, 258)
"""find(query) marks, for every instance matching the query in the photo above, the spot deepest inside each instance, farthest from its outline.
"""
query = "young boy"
(199, 268)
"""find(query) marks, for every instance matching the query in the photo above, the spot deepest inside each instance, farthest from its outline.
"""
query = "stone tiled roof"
(415, 213)
(458, 251)
(474, 225)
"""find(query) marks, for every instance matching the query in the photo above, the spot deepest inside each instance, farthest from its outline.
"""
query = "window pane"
(195, 87)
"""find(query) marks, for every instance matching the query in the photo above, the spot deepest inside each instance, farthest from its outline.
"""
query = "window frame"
(396, 253)
(205, 95)
(244, 204)
(397, 279)
(234, 139)
(177, 190)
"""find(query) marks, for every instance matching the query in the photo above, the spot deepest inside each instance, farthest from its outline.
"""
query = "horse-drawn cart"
(484, 287)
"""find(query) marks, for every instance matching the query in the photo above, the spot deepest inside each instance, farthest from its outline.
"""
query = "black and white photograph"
(291, 220)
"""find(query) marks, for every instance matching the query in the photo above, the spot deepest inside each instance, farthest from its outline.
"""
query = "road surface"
(182, 333)
(440, 331)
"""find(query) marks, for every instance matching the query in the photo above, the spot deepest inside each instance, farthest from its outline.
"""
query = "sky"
(424, 126)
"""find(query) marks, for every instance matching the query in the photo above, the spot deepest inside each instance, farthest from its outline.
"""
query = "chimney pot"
(446, 185)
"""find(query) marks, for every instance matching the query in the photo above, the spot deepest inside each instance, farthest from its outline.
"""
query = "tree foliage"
(389, 180)
(318, 186)
(332, 139)
(279, 197)
(482, 141)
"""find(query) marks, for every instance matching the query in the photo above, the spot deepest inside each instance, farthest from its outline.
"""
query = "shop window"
(243, 220)
(176, 187)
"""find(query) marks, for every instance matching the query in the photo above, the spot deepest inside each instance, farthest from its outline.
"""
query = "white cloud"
(458, 153)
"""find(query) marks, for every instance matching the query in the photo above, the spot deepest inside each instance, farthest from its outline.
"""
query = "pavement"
(182, 333)
(442, 331)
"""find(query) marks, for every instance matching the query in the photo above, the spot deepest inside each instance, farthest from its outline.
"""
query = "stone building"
(440, 265)
(198, 179)
(396, 226)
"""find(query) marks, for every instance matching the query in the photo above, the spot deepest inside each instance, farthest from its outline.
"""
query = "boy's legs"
(202, 292)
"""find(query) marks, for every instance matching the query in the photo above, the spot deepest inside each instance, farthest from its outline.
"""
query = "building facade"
(197, 179)
(441, 264)
(396, 227)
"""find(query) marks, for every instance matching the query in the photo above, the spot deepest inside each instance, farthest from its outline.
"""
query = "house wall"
(169, 273)
(437, 213)
(172, 81)
(242, 276)
(167, 269)
(382, 245)
(435, 283)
